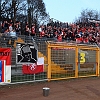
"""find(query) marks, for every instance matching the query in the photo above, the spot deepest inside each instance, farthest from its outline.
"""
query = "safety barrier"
(62, 60)
(17, 69)
(69, 60)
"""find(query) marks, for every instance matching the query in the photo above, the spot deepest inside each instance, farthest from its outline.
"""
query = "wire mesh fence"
(87, 64)
(62, 60)
(73, 61)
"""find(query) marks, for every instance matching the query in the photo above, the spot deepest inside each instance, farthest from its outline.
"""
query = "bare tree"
(88, 14)
(10, 8)
(36, 10)
(33, 11)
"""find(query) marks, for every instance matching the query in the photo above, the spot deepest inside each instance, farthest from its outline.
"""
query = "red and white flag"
(34, 68)
(5, 64)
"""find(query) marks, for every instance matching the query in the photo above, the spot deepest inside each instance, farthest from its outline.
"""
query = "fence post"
(97, 61)
(76, 62)
(49, 62)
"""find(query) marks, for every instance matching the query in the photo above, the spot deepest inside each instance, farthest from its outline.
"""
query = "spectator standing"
(42, 33)
(59, 38)
(85, 39)
(98, 40)
(18, 29)
(12, 34)
(10, 27)
(27, 31)
(5, 26)
(92, 39)
(33, 31)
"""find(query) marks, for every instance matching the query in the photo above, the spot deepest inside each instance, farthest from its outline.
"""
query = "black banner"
(26, 53)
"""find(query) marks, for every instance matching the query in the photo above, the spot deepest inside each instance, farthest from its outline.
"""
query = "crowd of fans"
(87, 32)
(79, 32)
(9, 28)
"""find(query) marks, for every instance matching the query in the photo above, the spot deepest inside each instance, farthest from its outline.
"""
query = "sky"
(69, 10)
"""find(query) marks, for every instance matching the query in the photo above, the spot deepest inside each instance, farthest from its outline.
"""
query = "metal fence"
(62, 60)
(69, 60)
(18, 76)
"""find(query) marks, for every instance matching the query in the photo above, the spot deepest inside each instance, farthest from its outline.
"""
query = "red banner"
(5, 64)
(32, 69)
(5, 54)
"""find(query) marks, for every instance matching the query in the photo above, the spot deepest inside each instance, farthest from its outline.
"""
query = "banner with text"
(5, 65)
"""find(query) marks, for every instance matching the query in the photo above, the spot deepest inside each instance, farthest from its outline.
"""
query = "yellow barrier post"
(97, 62)
(49, 63)
(76, 62)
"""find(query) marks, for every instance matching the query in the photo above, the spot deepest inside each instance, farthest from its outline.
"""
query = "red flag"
(32, 68)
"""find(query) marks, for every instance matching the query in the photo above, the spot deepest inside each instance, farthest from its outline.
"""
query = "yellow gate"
(88, 60)
(70, 60)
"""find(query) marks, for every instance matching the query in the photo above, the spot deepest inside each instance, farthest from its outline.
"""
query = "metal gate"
(70, 60)
(88, 61)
